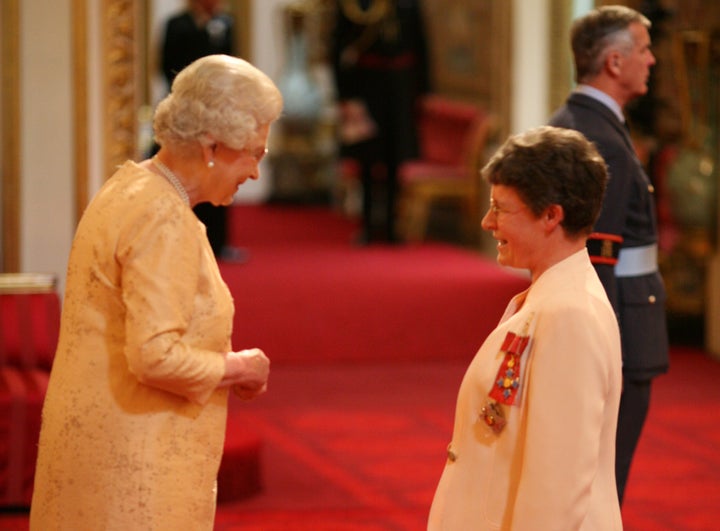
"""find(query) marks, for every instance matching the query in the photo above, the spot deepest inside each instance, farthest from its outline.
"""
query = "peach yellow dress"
(133, 421)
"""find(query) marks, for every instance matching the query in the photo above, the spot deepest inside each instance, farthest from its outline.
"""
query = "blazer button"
(652, 299)
(651, 188)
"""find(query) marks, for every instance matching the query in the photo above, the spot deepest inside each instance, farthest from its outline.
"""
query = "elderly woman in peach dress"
(134, 418)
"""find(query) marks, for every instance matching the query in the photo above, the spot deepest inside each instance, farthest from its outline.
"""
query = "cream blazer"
(133, 422)
(552, 468)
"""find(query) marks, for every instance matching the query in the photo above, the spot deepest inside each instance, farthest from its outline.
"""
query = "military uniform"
(383, 64)
(623, 249)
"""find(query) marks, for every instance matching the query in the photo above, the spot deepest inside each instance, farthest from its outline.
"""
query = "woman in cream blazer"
(534, 438)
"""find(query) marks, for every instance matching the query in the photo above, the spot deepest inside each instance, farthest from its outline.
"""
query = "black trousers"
(634, 405)
(373, 187)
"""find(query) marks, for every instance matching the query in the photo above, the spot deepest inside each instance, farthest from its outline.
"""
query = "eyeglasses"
(496, 209)
(258, 154)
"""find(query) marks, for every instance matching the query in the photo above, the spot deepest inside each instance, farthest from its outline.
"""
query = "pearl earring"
(211, 164)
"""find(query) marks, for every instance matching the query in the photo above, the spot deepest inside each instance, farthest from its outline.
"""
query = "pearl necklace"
(170, 176)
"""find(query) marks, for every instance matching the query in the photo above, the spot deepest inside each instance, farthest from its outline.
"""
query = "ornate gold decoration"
(11, 135)
(80, 94)
(121, 81)
(380, 21)
(376, 11)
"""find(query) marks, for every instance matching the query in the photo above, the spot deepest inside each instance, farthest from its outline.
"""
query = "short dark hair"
(551, 165)
(592, 35)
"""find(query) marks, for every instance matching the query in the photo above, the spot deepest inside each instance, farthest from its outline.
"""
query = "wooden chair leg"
(418, 219)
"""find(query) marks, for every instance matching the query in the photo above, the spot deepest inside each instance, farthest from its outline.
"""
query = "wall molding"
(121, 81)
(10, 223)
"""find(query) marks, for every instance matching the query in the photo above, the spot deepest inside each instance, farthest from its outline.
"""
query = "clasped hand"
(246, 371)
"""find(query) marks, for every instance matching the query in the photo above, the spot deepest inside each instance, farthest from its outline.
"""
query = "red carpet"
(308, 294)
(368, 347)
(675, 480)
(351, 447)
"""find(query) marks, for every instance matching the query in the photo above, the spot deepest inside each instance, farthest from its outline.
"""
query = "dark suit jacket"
(184, 41)
(629, 212)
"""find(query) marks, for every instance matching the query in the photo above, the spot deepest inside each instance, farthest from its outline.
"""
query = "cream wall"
(46, 132)
(530, 86)
(268, 56)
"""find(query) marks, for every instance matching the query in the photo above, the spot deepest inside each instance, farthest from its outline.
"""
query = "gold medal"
(493, 416)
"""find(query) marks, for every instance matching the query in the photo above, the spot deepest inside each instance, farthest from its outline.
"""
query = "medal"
(493, 416)
(507, 381)
(506, 386)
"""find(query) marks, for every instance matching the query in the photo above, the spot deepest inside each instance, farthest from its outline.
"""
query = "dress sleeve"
(568, 385)
(160, 254)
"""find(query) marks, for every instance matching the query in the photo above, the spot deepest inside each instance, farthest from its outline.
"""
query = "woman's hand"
(247, 372)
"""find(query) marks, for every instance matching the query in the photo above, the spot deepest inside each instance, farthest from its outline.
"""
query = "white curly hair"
(217, 98)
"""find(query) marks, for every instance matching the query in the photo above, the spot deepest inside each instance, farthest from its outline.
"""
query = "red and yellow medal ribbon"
(507, 382)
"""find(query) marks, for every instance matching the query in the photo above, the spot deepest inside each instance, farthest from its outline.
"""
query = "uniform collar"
(603, 98)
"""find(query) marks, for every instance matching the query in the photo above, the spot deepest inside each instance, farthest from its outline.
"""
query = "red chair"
(453, 137)
(29, 328)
